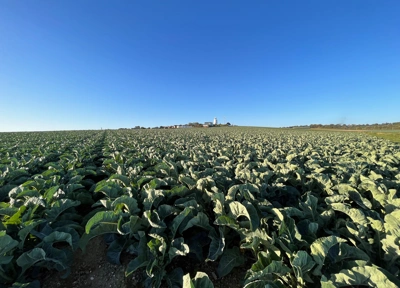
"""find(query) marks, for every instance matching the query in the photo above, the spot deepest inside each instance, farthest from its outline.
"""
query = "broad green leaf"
(111, 189)
(219, 202)
(302, 263)
(309, 207)
(187, 282)
(101, 223)
(115, 249)
(178, 248)
(201, 280)
(217, 244)
(120, 179)
(254, 219)
(231, 195)
(200, 220)
(174, 278)
(365, 276)
(16, 218)
(264, 258)
(59, 237)
(174, 226)
(154, 219)
(58, 207)
(225, 220)
(28, 259)
(142, 259)
(392, 224)
(128, 202)
(6, 243)
(351, 252)
(166, 210)
(264, 284)
(189, 182)
(276, 268)
(320, 249)
(356, 215)
(230, 259)
(150, 196)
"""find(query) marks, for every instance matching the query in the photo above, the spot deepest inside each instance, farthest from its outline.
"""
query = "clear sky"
(92, 64)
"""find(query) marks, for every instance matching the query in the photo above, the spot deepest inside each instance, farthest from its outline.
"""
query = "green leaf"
(254, 219)
(174, 278)
(59, 207)
(356, 215)
(201, 280)
(178, 190)
(16, 218)
(189, 182)
(392, 224)
(200, 220)
(150, 196)
(225, 220)
(59, 237)
(217, 244)
(276, 268)
(237, 209)
(111, 189)
(142, 259)
(320, 249)
(231, 195)
(351, 252)
(264, 284)
(114, 251)
(128, 202)
(230, 259)
(120, 179)
(8, 211)
(309, 207)
(136, 224)
(154, 219)
(28, 259)
(178, 248)
(174, 226)
(101, 223)
(264, 258)
(187, 282)
(219, 202)
(165, 210)
(302, 263)
(367, 275)
(6, 243)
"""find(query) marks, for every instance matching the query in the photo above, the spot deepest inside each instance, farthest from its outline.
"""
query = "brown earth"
(91, 269)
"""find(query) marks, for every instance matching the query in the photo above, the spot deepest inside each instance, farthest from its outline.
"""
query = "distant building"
(215, 121)
(208, 124)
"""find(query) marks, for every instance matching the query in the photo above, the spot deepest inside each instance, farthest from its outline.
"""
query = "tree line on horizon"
(375, 126)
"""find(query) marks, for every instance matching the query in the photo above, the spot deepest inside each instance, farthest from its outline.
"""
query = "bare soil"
(91, 269)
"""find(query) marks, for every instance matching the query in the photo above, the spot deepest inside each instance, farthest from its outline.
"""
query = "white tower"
(215, 121)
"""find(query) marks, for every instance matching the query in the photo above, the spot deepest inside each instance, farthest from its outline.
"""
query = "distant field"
(392, 136)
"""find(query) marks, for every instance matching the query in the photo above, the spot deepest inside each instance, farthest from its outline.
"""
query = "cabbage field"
(291, 208)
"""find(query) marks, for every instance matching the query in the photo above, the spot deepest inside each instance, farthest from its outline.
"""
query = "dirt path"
(91, 270)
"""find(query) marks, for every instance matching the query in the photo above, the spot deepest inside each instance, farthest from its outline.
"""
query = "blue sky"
(68, 65)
